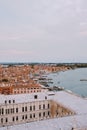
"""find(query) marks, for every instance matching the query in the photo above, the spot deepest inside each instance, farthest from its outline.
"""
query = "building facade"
(21, 89)
(16, 110)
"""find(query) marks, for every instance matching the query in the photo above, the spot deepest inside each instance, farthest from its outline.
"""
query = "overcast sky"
(43, 30)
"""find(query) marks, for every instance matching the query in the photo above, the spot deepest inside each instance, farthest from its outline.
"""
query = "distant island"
(72, 65)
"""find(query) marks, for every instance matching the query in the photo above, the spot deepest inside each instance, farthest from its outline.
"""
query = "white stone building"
(24, 108)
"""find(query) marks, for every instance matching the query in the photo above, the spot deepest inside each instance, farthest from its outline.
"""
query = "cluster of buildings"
(17, 79)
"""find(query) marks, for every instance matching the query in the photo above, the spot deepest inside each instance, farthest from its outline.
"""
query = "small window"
(1, 120)
(43, 106)
(13, 101)
(48, 105)
(26, 108)
(13, 119)
(34, 107)
(39, 106)
(57, 113)
(30, 115)
(45, 97)
(22, 109)
(34, 115)
(43, 114)
(5, 102)
(48, 113)
(2, 111)
(6, 120)
(39, 114)
(9, 101)
(13, 110)
(30, 108)
(16, 110)
(23, 117)
(16, 118)
(35, 96)
(6, 111)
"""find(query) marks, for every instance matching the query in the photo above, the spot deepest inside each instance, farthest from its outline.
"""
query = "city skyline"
(43, 31)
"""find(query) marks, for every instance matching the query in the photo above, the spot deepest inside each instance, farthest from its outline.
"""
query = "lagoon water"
(71, 80)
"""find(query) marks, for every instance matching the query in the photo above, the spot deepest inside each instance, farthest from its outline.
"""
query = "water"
(71, 80)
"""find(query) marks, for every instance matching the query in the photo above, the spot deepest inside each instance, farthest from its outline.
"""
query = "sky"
(43, 31)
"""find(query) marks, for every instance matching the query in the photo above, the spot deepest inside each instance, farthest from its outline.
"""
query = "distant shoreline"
(78, 65)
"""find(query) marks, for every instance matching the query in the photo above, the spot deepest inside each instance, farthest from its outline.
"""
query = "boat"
(56, 88)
